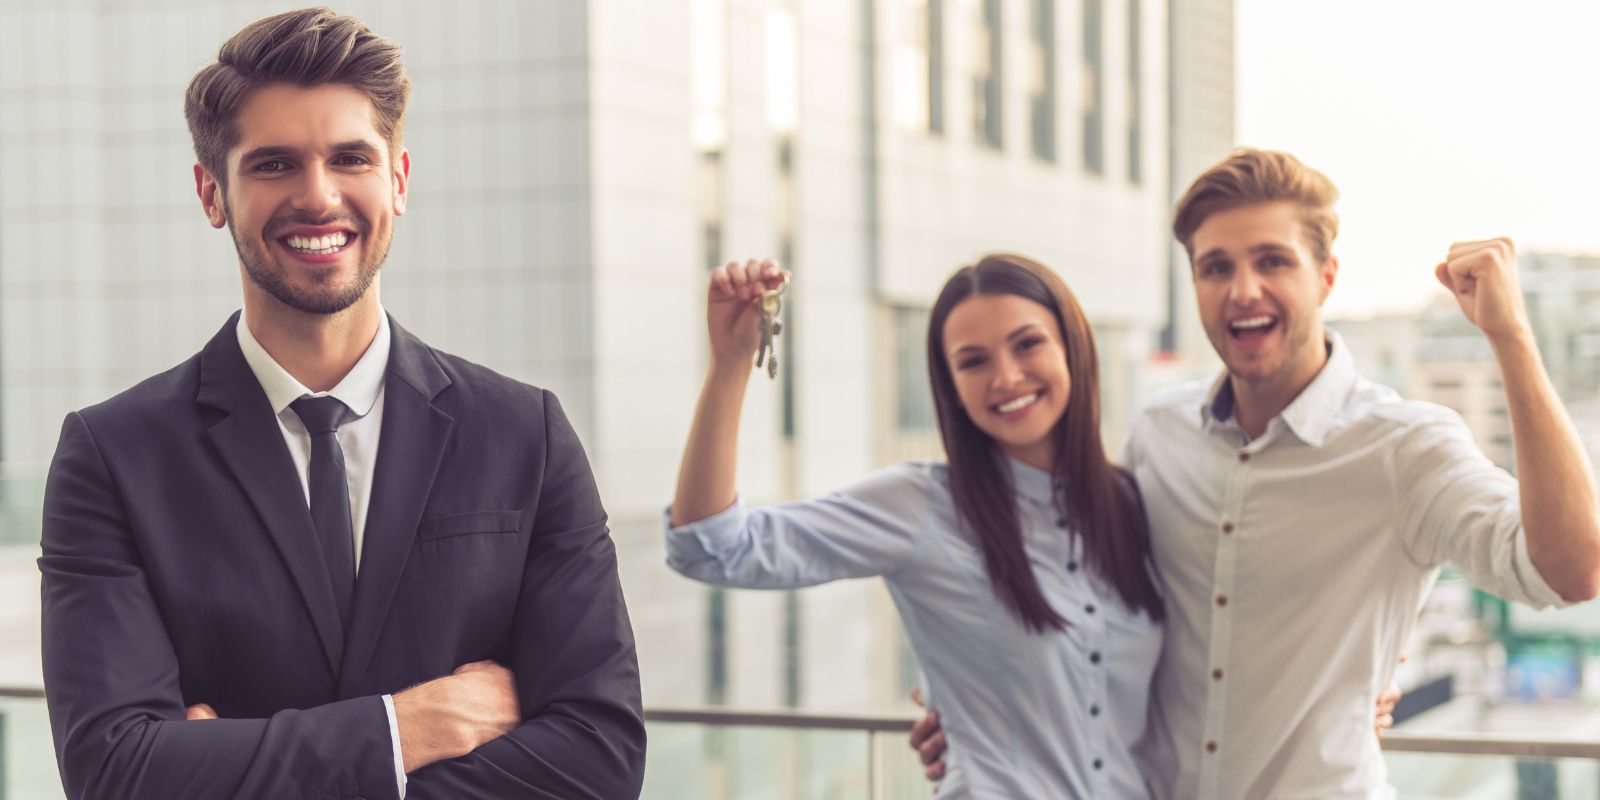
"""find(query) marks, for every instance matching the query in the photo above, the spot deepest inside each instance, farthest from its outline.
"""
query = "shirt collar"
(1312, 416)
(359, 389)
(1031, 482)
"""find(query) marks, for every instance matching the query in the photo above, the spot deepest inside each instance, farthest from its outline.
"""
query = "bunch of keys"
(771, 326)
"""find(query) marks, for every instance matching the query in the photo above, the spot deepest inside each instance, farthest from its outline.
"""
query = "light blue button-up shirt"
(1027, 715)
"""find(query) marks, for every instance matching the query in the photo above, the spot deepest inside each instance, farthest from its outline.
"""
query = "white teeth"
(319, 245)
(1251, 323)
(1019, 403)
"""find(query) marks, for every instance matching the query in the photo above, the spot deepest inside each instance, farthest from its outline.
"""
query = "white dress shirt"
(361, 390)
(1027, 715)
(1293, 566)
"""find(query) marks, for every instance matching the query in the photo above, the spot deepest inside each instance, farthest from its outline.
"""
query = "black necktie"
(330, 495)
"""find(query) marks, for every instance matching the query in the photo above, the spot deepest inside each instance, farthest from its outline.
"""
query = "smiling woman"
(1025, 553)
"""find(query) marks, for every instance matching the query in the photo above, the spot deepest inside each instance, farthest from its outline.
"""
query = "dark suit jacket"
(180, 566)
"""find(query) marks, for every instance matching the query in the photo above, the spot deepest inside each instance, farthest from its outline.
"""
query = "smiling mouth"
(1249, 329)
(1017, 404)
(325, 245)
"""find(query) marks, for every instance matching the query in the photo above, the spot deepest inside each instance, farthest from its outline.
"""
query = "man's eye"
(353, 161)
(1274, 261)
(271, 166)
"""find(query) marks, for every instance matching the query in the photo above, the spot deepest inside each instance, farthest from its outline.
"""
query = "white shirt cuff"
(394, 738)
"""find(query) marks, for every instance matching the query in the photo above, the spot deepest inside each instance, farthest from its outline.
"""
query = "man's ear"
(401, 180)
(211, 197)
(1329, 274)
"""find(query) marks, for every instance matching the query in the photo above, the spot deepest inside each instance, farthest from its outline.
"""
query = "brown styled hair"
(1100, 501)
(309, 47)
(1249, 176)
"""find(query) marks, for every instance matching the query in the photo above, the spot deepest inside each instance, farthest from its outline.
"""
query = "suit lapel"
(252, 446)
(410, 449)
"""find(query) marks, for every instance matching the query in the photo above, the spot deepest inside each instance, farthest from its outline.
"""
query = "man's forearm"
(291, 754)
(1560, 511)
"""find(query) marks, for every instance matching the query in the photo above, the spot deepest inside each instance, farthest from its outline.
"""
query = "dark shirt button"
(1222, 600)
(1094, 658)
(1072, 566)
(1216, 674)
(1061, 522)
(1094, 711)
(1088, 609)
(1098, 763)
(1227, 527)
(1243, 457)
(1211, 747)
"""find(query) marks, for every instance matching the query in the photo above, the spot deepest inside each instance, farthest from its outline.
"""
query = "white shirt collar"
(1315, 414)
(358, 390)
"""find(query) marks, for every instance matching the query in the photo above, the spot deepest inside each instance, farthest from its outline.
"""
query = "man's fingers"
(916, 697)
(935, 772)
(477, 666)
(1501, 243)
(200, 711)
(1442, 272)
(932, 750)
(1385, 722)
(923, 728)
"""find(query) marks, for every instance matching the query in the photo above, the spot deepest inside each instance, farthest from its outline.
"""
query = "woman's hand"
(733, 309)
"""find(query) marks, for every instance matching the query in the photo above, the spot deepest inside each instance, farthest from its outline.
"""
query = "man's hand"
(927, 738)
(1483, 278)
(1386, 703)
(200, 711)
(452, 716)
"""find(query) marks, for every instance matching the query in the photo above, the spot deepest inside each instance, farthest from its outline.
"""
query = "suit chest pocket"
(471, 523)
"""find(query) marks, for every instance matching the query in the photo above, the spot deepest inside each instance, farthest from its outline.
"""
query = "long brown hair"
(1099, 500)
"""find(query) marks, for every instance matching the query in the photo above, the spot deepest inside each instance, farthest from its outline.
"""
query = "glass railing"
(27, 757)
(717, 754)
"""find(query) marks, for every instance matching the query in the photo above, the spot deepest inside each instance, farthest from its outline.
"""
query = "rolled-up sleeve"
(868, 528)
(1459, 508)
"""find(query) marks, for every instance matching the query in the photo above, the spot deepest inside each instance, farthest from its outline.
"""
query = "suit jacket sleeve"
(111, 675)
(572, 653)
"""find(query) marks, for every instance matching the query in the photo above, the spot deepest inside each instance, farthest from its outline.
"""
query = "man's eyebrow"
(271, 151)
(280, 151)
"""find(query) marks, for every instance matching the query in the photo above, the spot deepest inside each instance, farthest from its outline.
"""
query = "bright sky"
(1439, 120)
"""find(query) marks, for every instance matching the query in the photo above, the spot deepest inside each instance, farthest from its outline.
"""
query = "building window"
(1042, 77)
(791, 650)
(988, 46)
(708, 68)
(717, 647)
(783, 68)
(913, 397)
(918, 65)
(1092, 90)
(1135, 92)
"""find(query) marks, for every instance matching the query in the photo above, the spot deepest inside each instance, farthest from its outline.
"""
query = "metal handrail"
(1474, 744)
(1471, 744)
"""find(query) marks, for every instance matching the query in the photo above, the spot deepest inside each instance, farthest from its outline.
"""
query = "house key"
(771, 326)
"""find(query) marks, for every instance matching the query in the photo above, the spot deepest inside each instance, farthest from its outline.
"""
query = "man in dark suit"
(250, 557)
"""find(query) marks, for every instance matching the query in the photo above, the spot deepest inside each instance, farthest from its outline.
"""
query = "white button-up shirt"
(1293, 566)
(1028, 715)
